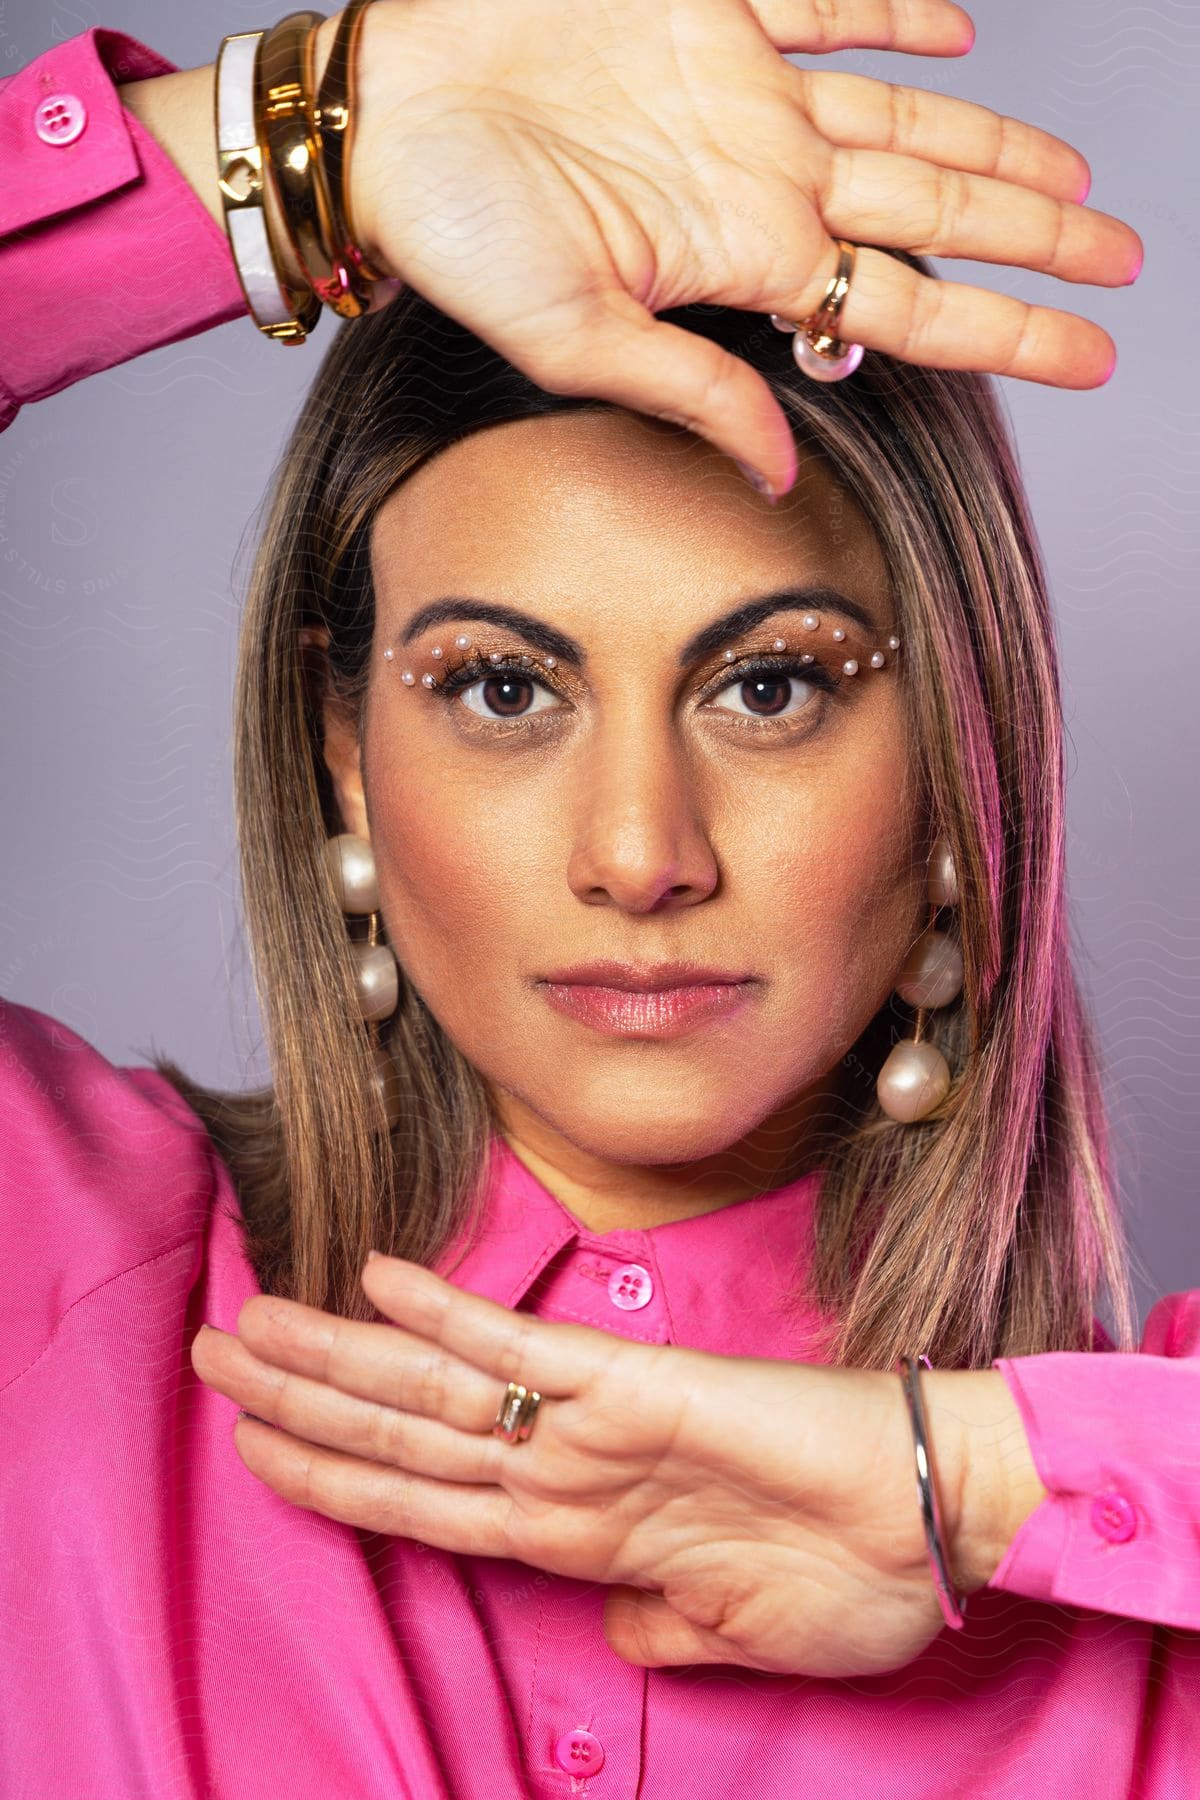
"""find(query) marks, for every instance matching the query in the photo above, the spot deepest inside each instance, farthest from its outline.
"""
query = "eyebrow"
(552, 642)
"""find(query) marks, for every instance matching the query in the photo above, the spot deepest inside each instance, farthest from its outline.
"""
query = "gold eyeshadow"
(473, 655)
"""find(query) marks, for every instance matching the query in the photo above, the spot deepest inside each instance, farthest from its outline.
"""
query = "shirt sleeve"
(105, 249)
(1116, 1440)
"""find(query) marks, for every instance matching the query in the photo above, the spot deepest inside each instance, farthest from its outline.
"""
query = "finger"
(918, 27)
(369, 1361)
(950, 325)
(612, 346)
(860, 113)
(320, 1414)
(644, 1629)
(556, 1359)
(875, 197)
(471, 1520)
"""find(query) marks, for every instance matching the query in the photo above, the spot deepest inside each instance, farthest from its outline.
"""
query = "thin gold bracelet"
(334, 120)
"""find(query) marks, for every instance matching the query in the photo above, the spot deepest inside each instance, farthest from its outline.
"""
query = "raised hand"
(553, 173)
(742, 1510)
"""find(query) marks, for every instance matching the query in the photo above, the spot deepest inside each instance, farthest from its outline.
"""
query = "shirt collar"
(730, 1280)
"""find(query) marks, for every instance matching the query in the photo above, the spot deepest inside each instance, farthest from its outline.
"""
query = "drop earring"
(351, 864)
(915, 1077)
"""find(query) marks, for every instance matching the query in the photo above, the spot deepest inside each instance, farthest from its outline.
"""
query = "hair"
(989, 1228)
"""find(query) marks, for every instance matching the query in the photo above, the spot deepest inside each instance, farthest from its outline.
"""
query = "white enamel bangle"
(279, 311)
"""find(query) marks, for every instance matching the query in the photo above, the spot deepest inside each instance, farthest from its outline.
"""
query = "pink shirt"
(169, 1627)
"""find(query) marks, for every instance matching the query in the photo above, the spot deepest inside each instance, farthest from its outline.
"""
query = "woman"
(545, 685)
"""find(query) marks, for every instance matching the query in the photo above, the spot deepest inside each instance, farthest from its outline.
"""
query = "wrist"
(990, 1482)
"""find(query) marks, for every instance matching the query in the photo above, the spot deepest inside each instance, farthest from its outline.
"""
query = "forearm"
(178, 112)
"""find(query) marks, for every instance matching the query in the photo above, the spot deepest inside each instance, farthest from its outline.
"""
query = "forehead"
(612, 518)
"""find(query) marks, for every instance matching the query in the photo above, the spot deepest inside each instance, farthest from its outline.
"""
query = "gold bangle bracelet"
(285, 128)
(335, 119)
(280, 311)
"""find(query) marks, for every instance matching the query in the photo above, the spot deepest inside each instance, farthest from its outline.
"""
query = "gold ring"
(514, 1421)
(821, 325)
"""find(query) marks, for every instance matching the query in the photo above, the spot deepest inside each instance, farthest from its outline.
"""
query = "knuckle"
(1006, 147)
(920, 319)
(906, 117)
(424, 1384)
(1014, 361)
(517, 1353)
(954, 189)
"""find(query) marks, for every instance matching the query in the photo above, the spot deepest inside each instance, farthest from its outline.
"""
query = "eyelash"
(477, 668)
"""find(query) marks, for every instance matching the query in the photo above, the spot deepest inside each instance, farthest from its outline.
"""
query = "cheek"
(841, 879)
(454, 874)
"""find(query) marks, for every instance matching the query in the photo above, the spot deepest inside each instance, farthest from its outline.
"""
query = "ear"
(340, 736)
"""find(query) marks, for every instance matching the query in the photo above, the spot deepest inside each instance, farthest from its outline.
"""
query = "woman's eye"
(505, 696)
(767, 695)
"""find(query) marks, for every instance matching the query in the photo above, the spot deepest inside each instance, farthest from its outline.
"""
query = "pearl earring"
(915, 1077)
(351, 864)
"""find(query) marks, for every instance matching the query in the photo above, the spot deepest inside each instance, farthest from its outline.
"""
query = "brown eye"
(769, 694)
(504, 695)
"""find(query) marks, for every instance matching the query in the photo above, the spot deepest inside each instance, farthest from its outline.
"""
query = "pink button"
(1113, 1517)
(630, 1287)
(579, 1753)
(60, 118)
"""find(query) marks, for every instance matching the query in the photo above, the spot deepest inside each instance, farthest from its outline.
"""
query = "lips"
(648, 1012)
(644, 978)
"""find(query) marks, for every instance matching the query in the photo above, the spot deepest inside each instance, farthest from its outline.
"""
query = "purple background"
(125, 537)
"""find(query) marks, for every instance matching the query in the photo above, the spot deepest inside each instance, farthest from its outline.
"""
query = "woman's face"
(640, 799)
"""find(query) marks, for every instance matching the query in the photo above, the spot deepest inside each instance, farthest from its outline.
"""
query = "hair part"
(988, 1229)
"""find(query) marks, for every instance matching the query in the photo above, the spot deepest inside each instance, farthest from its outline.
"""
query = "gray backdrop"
(124, 512)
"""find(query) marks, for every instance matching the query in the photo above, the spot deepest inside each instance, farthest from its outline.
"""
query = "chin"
(650, 1127)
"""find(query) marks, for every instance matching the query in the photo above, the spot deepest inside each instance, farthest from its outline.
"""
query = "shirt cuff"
(105, 250)
(1115, 1438)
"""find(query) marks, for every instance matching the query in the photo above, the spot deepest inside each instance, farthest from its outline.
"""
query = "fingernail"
(756, 480)
(371, 1253)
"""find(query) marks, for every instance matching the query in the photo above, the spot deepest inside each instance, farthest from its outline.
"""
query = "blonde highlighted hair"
(988, 1229)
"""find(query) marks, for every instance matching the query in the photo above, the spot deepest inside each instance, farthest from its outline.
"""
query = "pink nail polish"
(755, 479)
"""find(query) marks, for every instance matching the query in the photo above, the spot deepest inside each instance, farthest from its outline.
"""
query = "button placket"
(579, 1752)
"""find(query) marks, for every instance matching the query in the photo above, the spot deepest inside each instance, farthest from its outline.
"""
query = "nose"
(639, 838)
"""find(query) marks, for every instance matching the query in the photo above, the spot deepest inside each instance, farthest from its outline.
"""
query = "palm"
(675, 1473)
(554, 176)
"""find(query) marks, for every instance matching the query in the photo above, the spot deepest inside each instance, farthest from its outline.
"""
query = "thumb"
(644, 1629)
